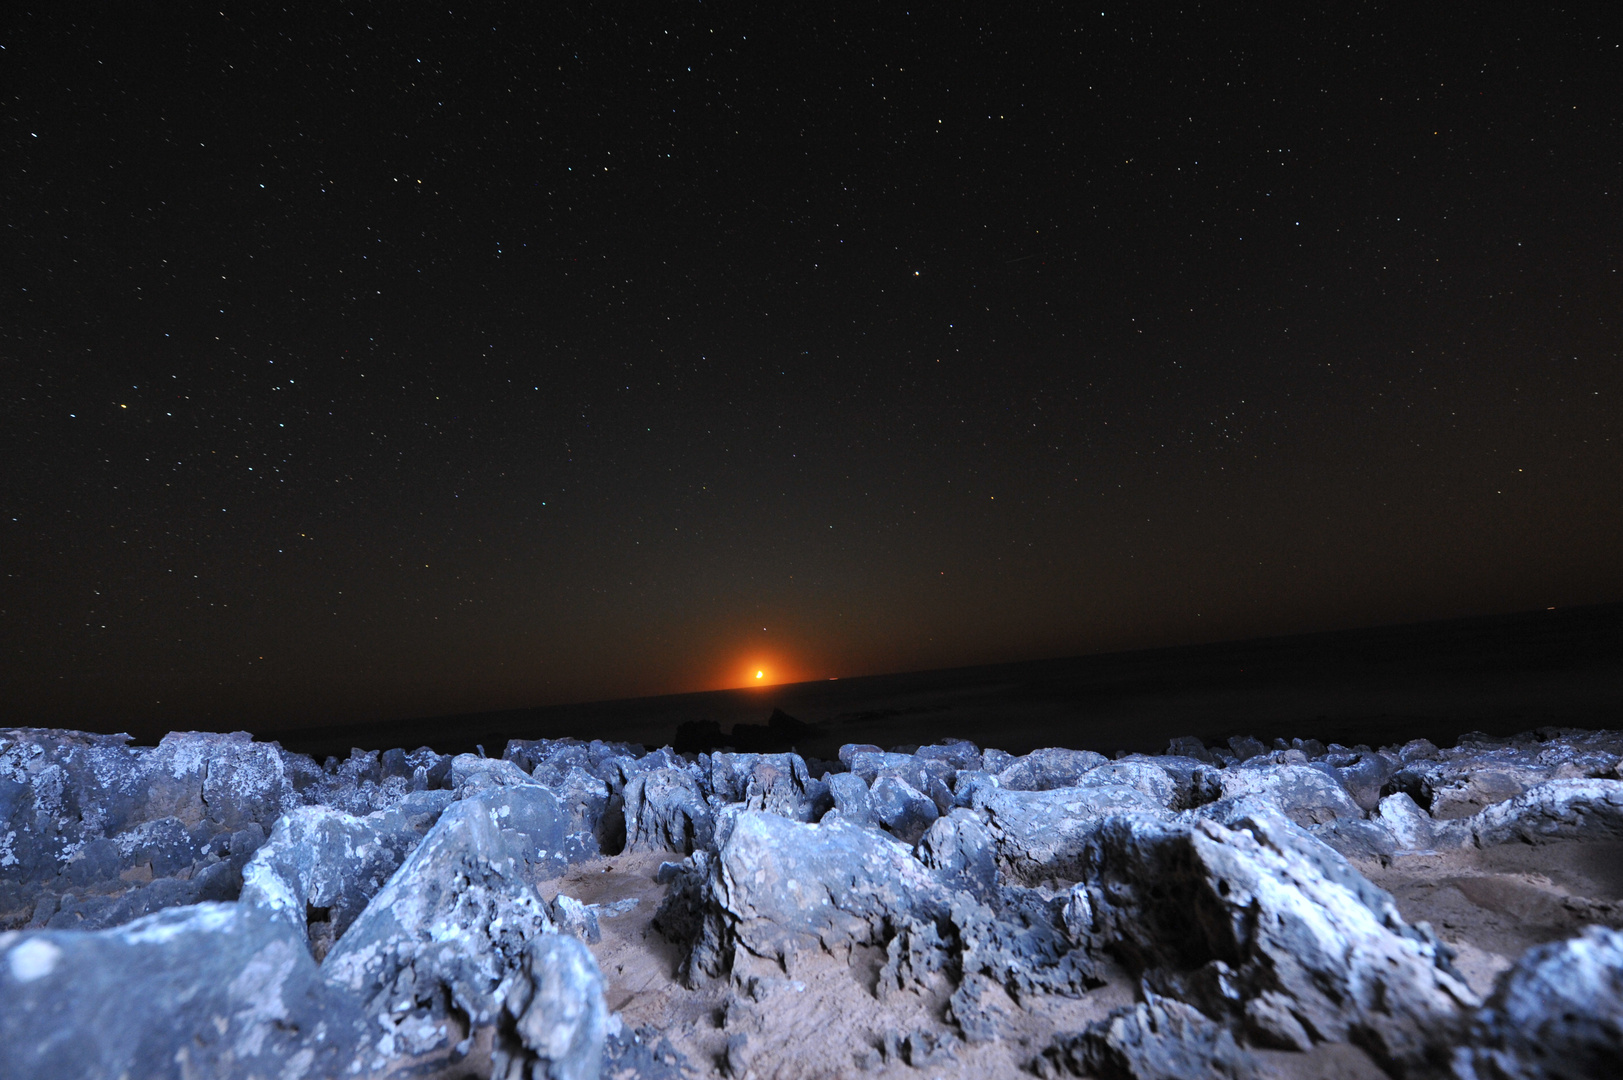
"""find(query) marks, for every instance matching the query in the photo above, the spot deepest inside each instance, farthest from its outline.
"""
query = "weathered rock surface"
(1557, 1015)
(214, 906)
(209, 990)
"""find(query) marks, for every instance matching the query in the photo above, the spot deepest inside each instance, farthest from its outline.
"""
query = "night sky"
(369, 362)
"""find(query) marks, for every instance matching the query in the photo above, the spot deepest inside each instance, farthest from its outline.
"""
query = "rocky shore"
(218, 907)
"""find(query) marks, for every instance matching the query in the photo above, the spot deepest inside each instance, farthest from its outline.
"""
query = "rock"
(321, 867)
(850, 794)
(963, 853)
(777, 783)
(780, 887)
(1044, 770)
(1480, 772)
(666, 811)
(1306, 794)
(216, 990)
(554, 1021)
(1412, 783)
(955, 753)
(850, 750)
(1555, 810)
(903, 810)
(1190, 747)
(871, 763)
(1157, 1039)
(1150, 779)
(1365, 778)
(1557, 1015)
(584, 800)
(1244, 747)
(572, 917)
(1255, 923)
(1043, 834)
(1222, 892)
(427, 955)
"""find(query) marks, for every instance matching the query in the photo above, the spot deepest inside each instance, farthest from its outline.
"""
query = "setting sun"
(760, 674)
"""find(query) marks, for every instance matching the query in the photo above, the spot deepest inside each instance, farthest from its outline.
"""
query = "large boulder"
(428, 954)
(666, 811)
(214, 990)
(780, 888)
(554, 1021)
(777, 783)
(321, 867)
(1042, 834)
(1306, 795)
(1557, 1015)
(1044, 770)
(1257, 924)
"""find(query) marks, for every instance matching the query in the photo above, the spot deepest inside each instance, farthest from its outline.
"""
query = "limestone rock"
(554, 1021)
(427, 955)
(1557, 1015)
(902, 809)
(1043, 834)
(215, 990)
(666, 811)
(1044, 770)
(1156, 1039)
(1255, 923)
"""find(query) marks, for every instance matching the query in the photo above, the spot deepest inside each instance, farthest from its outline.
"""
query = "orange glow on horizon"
(758, 670)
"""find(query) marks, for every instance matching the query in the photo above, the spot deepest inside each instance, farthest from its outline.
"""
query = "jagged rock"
(215, 990)
(956, 753)
(1156, 1039)
(902, 809)
(1253, 921)
(1151, 779)
(850, 794)
(1188, 746)
(1042, 834)
(777, 783)
(1245, 747)
(1552, 811)
(963, 853)
(1555, 810)
(554, 1021)
(1481, 771)
(584, 799)
(321, 867)
(1557, 1015)
(917, 772)
(1044, 770)
(549, 760)
(1307, 795)
(1412, 783)
(427, 955)
(780, 887)
(1366, 776)
(1218, 889)
(665, 810)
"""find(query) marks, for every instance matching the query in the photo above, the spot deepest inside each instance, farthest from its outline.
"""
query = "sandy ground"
(1494, 904)
(823, 1019)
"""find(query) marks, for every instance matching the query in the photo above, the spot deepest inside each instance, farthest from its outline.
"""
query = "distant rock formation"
(218, 907)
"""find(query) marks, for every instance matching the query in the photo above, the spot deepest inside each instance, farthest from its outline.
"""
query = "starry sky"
(363, 362)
